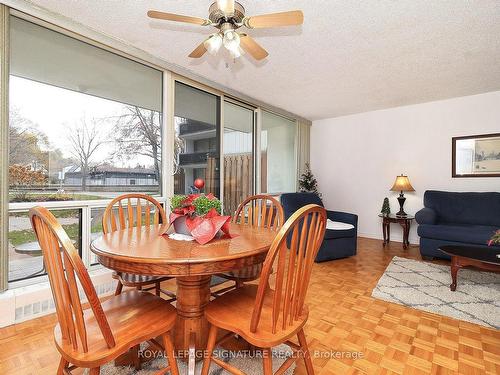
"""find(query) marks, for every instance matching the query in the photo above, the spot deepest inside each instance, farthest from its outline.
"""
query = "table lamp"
(401, 184)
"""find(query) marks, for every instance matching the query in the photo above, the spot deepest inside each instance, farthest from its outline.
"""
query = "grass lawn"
(57, 213)
(96, 228)
(18, 237)
(34, 197)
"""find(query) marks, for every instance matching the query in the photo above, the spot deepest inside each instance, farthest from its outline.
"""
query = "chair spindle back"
(62, 262)
(118, 218)
(260, 211)
(302, 235)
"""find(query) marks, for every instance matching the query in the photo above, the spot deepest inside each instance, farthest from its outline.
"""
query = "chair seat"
(132, 279)
(133, 317)
(233, 311)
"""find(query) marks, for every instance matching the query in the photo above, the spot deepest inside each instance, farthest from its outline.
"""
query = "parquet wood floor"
(344, 321)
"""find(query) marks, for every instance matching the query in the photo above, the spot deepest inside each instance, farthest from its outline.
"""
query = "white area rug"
(426, 286)
(251, 365)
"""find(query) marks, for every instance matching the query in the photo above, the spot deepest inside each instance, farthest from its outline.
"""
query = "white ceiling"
(348, 57)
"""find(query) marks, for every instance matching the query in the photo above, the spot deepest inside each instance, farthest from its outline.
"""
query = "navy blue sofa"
(450, 218)
(337, 243)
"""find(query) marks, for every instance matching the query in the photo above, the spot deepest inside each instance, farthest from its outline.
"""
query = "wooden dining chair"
(266, 317)
(92, 337)
(147, 211)
(262, 211)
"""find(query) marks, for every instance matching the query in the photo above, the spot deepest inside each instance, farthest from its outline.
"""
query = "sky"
(56, 111)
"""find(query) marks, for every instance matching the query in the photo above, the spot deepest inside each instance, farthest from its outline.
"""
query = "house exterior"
(112, 177)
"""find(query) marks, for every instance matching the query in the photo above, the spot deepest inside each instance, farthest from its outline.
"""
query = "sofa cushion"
(464, 208)
(426, 216)
(474, 234)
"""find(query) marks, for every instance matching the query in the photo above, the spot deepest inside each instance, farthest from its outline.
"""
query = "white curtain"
(4, 138)
(46, 56)
(304, 145)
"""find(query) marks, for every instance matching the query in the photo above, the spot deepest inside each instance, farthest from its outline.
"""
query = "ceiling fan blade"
(293, 17)
(199, 51)
(226, 6)
(178, 18)
(252, 47)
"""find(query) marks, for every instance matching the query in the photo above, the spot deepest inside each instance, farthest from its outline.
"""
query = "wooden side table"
(404, 221)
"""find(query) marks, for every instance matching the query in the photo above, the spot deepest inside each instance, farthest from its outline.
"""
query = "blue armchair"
(337, 243)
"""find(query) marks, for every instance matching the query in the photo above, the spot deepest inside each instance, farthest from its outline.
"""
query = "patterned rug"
(249, 364)
(426, 286)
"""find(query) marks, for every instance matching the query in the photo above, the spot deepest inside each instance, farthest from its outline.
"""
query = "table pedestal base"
(191, 327)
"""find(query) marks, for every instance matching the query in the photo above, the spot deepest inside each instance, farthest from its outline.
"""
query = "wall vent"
(46, 306)
(33, 301)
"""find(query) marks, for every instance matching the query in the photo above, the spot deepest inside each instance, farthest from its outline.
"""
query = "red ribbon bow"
(202, 228)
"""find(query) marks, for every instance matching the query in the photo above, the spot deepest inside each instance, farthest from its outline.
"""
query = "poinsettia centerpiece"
(199, 216)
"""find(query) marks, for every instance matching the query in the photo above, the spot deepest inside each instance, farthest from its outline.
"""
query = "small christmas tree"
(307, 182)
(386, 208)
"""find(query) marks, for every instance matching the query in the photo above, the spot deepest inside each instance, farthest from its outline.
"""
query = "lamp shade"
(402, 183)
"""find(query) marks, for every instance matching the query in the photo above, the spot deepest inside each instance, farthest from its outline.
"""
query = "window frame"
(86, 206)
(169, 77)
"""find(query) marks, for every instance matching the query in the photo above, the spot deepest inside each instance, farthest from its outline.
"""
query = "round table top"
(143, 250)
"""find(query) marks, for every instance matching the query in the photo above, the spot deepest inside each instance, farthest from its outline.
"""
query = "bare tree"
(26, 141)
(139, 133)
(85, 140)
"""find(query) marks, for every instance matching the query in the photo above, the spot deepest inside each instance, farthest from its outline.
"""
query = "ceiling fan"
(228, 16)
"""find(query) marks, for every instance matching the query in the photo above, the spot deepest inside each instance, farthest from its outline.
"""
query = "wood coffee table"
(485, 258)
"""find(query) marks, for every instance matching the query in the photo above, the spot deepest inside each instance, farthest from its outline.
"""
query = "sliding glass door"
(197, 140)
(239, 125)
(278, 171)
(231, 174)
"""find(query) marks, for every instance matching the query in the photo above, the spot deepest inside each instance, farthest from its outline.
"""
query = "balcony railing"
(196, 157)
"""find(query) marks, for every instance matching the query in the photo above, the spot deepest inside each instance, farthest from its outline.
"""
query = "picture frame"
(476, 156)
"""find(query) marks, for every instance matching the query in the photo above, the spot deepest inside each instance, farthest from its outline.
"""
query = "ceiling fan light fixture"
(226, 6)
(213, 43)
(231, 40)
(228, 16)
(237, 52)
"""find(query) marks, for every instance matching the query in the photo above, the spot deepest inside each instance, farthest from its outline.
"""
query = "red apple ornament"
(199, 183)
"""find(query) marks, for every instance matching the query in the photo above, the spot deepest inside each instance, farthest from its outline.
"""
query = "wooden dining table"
(145, 251)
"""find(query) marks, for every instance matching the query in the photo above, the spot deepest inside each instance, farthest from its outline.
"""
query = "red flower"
(202, 228)
(189, 199)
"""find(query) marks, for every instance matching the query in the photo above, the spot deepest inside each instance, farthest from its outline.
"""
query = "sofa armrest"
(426, 216)
(343, 217)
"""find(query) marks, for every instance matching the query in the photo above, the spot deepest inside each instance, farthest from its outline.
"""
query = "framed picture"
(476, 156)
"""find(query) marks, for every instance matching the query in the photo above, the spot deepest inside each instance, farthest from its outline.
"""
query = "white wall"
(356, 158)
